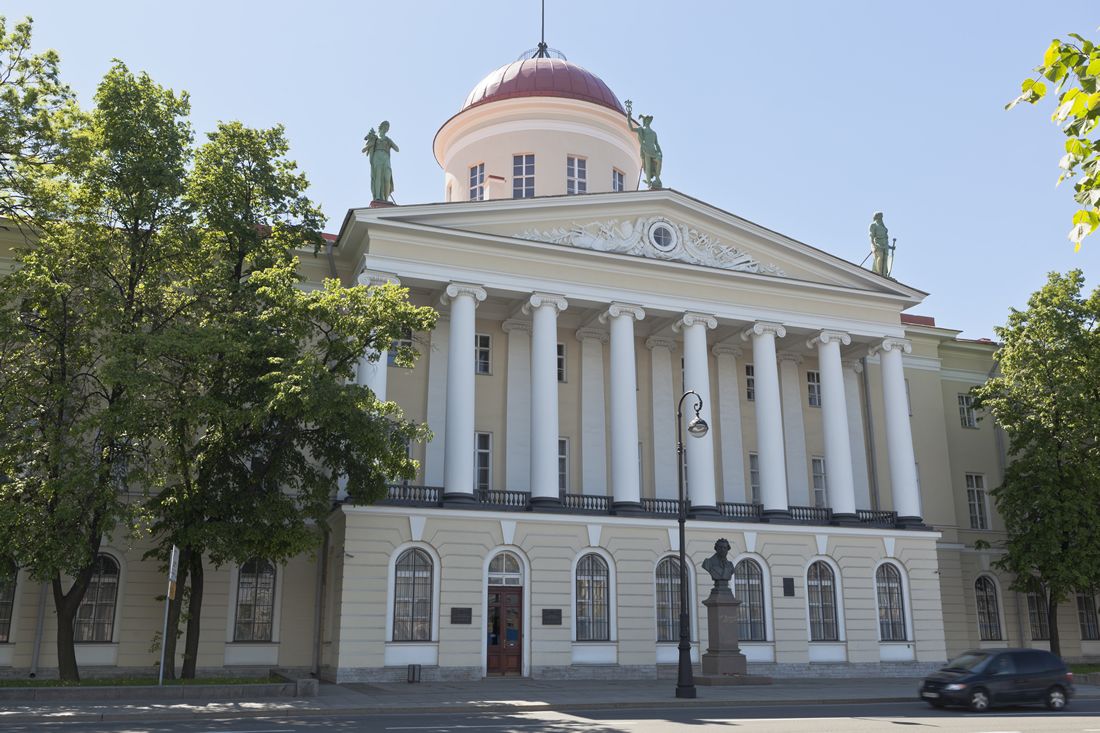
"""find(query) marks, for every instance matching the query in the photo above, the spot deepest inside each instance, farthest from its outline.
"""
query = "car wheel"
(1056, 698)
(979, 700)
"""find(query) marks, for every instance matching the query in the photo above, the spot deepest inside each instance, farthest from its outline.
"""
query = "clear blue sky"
(804, 117)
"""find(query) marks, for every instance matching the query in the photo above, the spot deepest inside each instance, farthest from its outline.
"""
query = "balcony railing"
(739, 510)
(661, 506)
(877, 518)
(587, 503)
(409, 495)
(502, 498)
(812, 514)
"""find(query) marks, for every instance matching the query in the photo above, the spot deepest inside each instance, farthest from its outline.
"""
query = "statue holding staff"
(377, 147)
(650, 148)
(880, 246)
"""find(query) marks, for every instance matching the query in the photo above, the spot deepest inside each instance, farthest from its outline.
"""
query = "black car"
(981, 678)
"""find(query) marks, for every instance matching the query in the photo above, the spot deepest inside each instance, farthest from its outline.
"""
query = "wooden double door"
(504, 631)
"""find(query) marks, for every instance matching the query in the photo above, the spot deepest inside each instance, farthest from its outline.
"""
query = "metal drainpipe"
(319, 603)
(331, 259)
(870, 439)
(38, 630)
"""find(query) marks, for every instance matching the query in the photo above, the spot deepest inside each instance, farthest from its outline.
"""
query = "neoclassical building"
(844, 461)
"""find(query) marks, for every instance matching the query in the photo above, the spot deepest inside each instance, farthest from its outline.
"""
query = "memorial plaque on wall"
(788, 587)
(462, 615)
(551, 617)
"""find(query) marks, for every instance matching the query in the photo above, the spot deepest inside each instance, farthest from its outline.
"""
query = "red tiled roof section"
(543, 77)
(914, 320)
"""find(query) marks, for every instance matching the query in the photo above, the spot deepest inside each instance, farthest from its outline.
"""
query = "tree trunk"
(194, 618)
(1052, 621)
(66, 605)
(175, 606)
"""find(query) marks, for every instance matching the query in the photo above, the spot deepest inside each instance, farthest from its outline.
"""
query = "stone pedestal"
(723, 662)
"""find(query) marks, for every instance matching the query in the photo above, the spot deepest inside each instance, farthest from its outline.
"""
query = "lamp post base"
(685, 691)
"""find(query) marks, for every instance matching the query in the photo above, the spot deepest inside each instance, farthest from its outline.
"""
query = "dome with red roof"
(543, 77)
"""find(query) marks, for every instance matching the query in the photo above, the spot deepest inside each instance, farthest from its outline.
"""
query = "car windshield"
(968, 662)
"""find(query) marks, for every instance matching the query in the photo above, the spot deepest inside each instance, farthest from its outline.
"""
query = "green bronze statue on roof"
(650, 148)
(881, 247)
(377, 148)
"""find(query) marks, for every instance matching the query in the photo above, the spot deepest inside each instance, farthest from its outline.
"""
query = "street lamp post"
(697, 428)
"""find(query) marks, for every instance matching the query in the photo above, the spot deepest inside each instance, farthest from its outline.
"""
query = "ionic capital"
(374, 278)
(727, 350)
(691, 318)
(660, 342)
(593, 334)
(890, 343)
(827, 336)
(453, 290)
(854, 364)
(615, 310)
(514, 324)
(539, 300)
(764, 328)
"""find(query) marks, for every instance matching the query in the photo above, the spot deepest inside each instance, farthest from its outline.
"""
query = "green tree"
(1047, 399)
(75, 321)
(261, 414)
(1074, 67)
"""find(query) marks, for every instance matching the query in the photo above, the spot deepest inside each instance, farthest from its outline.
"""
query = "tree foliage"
(1047, 399)
(1074, 67)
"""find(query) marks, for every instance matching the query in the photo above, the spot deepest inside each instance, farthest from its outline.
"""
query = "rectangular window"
(483, 461)
(1086, 615)
(561, 362)
(754, 478)
(563, 466)
(976, 500)
(477, 182)
(618, 180)
(576, 175)
(813, 388)
(967, 416)
(405, 342)
(1037, 616)
(483, 353)
(750, 383)
(817, 467)
(523, 176)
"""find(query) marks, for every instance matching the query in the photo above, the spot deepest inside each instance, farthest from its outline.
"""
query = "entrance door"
(504, 633)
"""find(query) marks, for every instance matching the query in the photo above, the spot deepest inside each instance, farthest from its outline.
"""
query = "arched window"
(95, 618)
(8, 573)
(821, 595)
(593, 604)
(989, 615)
(504, 569)
(412, 596)
(891, 603)
(668, 599)
(748, 581)
(255, 619)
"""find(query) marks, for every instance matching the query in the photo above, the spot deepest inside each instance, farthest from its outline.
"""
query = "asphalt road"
(1082, 716)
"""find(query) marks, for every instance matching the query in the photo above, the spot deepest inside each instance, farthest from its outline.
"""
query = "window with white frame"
(1086, 616)
(523, 176)
(483, 353)
(976, 500)
(561, 362)
(668, 599)
(748, 581)
(255, 617)
(821, 598)
(618, 180)
(477, 182)
(817, 469)
(1037, 616)
(405, 342)
(593, 614)
(8, 574)
(989, 613)
(412, 596)
(576, 174)
(891, 603)
(563, 466)
(505, 569)
(967, 416)
(813, 388)
(750, 383)
(754, 478)
(483, 461)
(95, 618)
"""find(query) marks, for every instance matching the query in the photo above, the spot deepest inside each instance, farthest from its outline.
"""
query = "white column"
(435, 450)
(517, 420)
(625, 482)
(593, 444)
(664, 416)
(856, 439)
(794, 431)
(899, 435)
(544, 309)
(458, 462)
(729, 421)
(371, 371)
(700, 451)
(769, 418)
(834, 414)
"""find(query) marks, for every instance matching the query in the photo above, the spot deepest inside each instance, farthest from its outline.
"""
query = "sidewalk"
(490, 695)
